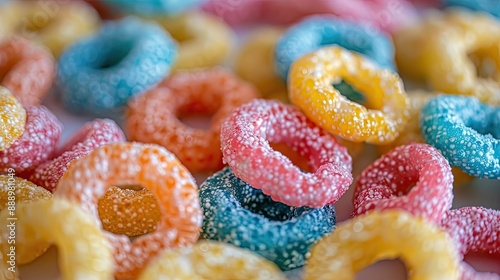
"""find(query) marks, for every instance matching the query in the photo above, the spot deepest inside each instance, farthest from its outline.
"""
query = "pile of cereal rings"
(220, 139)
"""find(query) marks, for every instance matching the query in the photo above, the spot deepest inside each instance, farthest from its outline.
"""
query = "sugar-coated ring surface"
(102, 72)
(466, 132)
(387, 183)
(155, 169)
(212, 261)
(154, 7)
(26, 69)
(129, 211)
(236, 213)
(310, 88)
(364, 240)
(319, 31)
(51, 23)
(474, 229)
(93, 134)
(204, 40)
(14, 190)
(245, 138)
(12, 119)
(154, 116)
(36, 145)
(485, 6)
(84, 252)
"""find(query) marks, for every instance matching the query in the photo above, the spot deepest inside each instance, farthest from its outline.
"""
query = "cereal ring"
(123, 59)
(129, 211)
(153, 117)
(84, 252)
(245, 138)
(207, 260)
(37, 144)
(310, 88)
(387, 183)
(485, 6)
(204, 40)
(474, 229)
(27, 70)
(50, 23)
(319, 31)
(12, 119)
(92, 135)
(152, 167)
(237, 213)
(465, 131)
(154, 7)
(357, 243)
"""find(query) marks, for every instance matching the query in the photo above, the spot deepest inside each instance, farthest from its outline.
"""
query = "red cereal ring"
(36, 145)
(387, 183)
(26, 69)
(92, 135)
(153, 116)
(152, 167)
(245, 138)
(474, 229)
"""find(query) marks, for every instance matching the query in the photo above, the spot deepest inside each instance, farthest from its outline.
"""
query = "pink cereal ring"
(36, 145)
(245, 144)
(474, 229)
(386, 183)
(92, 135)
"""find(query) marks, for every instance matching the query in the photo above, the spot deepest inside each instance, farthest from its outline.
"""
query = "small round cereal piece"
(84, 252)
(50, 23)
(465, 131)
(154, 7)
(154, 116)
(310, 88)
(26, 69)
(129, 211)
(102, 72)
(12, 119)
(204, 40)
(211, 260)
(237, 213)
(357, 243)
(485, 6)
(153, 168)
(14, 190)
(319, 31)
(474, 229)
(387, 183)
(255, 63)
(245, 138)
(36, 145)
(93, 134)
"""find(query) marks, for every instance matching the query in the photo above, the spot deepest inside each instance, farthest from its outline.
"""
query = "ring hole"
(384, 269)
(349, 91)
(297, 159)
(484, 262)
(47, 262)
(198, 112)
(486, 66)
(197, 121)
(114, 54)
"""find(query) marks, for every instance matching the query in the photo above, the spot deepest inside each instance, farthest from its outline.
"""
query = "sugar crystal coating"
(12, 119)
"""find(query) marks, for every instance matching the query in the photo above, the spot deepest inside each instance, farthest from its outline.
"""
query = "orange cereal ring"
(12, 119)
(129, 211)
(155, 169)
(84, 252)
(27, 70)
(310, 88)
(153, 116)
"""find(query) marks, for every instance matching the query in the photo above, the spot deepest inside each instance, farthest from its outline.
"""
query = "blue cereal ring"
(491, 7)
(123, 59)
(154, 7)
(466, 131)
(236, 213)
(319, 31)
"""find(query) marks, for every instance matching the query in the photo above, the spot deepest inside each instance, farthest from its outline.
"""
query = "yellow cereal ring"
(128, 211)
(310, 88)
(53, 24)
(84, 252)
(211, 260)
(255, 63)
(204, 40)
(357, 243)
(12, 118)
